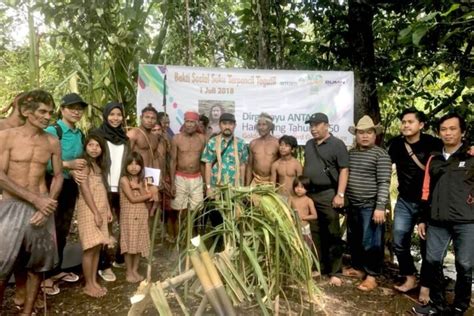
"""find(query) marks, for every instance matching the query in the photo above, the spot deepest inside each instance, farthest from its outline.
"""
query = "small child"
(134, 213)
(93, 213)
(287, 168)
(304, 206)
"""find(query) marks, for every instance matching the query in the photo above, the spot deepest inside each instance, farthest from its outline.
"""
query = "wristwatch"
(340, 194)
(208, 186)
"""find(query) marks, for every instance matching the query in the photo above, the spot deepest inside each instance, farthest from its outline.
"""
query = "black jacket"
(451, 184)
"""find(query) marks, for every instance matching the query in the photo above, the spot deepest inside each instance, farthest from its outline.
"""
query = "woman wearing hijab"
(113, 131)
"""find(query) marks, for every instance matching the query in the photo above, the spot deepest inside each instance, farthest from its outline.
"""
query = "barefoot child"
(304, 206)
(93, 213)
(134, 236)
(287, 168)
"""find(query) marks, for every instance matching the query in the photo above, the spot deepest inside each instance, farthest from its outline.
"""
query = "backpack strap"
(425, 190)
(59, 130)
(414, 157)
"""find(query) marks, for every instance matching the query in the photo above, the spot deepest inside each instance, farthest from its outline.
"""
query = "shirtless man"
(15, 119)
(163, 156)
(27, 207)
(141, 139)
(287, 168)
(187, 186)
(263, 152)
(144, 142)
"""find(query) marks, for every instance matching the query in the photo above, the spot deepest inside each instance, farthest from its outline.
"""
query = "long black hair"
(102, 160)
(131, 157)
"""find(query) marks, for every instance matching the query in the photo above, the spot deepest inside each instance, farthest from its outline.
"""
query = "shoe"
(118, 265)
(107, 275)
(427, 309)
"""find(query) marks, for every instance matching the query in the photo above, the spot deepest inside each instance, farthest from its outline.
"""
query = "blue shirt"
(71, 144)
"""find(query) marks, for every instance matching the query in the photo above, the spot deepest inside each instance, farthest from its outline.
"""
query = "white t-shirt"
(116, 155)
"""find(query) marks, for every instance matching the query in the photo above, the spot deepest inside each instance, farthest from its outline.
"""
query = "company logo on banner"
(289, 96)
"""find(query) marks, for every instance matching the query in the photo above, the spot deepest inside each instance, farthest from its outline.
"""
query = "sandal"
(39, 303)
(66, 276)
(51, 290)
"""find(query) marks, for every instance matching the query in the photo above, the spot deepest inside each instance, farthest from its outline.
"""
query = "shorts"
(306, 230)
(28, 246)
(189, 192)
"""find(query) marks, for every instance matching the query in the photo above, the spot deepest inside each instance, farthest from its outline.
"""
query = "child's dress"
(89, 234)
(134, 235)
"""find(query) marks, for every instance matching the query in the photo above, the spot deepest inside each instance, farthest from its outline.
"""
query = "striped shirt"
(369, 177)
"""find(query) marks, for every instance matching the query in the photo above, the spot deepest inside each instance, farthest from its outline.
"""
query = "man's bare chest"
(30, 152)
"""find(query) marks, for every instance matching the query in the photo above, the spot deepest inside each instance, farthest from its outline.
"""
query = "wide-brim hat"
(365, 123)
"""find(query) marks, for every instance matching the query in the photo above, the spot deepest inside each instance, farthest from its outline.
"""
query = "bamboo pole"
(206, 282)
(214, 275)
(159, 299)
(178, 279)
(202, 307)
(180, 301)
(152, 246)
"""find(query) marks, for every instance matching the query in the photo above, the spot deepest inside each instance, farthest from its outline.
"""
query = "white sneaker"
(115, 264)
(107, 275)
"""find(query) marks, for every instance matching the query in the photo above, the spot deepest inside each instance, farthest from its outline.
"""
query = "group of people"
(48, 172)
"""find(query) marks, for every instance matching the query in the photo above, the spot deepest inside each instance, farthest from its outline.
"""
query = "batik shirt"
(229, 169)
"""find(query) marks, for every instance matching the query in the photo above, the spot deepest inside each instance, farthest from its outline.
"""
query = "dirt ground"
(346, 300)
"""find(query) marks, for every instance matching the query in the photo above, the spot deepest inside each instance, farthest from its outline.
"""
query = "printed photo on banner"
(213, 110)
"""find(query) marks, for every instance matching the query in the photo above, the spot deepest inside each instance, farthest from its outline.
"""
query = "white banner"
(289, 96)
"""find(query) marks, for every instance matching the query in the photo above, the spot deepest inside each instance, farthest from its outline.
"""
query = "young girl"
(93, 213)
(304, 206)
(134, 235)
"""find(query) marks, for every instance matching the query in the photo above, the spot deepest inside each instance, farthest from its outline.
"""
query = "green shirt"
(71, 144)
(228, 159)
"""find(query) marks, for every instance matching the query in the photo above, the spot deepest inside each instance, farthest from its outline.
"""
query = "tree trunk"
(189, 51)
(160, 39)
(34, 51)
(361, 43)
(263, 13)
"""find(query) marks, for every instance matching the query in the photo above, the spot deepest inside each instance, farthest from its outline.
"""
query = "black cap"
(317, 118)
(72, 98)
(227, 117)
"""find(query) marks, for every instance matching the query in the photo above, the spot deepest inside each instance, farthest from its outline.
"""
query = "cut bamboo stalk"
(178, 279)
(224, 257)
(206, 282)
(230, 282)
(138, 308)
(159, 300)
(202, 306)
(180, 301)
(214, 275)
(152, 246)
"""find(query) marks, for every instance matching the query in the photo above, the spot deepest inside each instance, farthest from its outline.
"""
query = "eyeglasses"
(78, 109)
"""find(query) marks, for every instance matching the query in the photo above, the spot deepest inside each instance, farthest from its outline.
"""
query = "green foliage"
(262, 236)
(422, 50)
